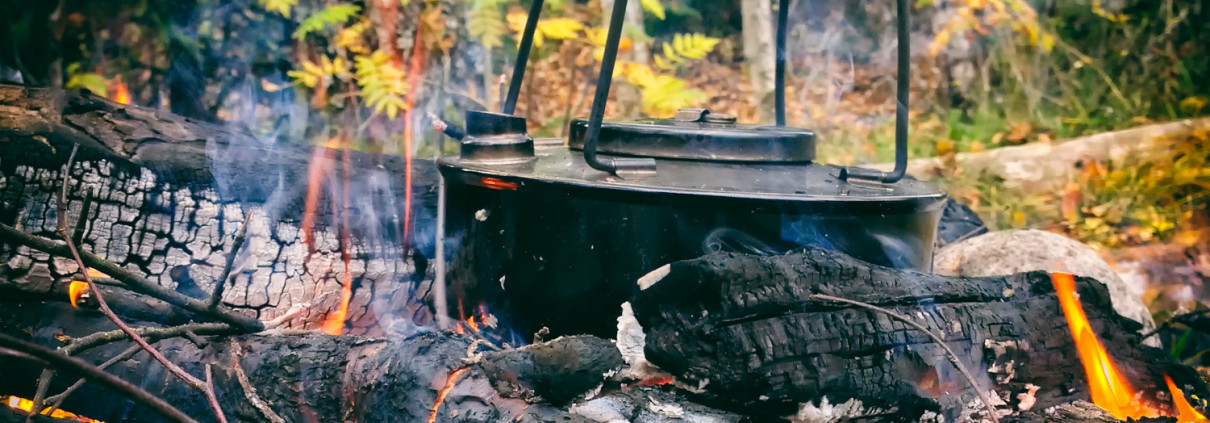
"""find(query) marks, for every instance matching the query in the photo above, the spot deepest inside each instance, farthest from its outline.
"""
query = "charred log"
(557, 371)
(748, 331)
(170, 196)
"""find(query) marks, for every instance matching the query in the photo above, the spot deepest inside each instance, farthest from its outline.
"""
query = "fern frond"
(486, 22)
(383, 83)
(329, 16)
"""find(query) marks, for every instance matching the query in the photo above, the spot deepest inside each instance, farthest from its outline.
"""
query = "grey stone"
(1011, 252)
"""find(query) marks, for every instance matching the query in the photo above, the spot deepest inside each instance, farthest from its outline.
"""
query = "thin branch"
(249, 390)
(949, 353)
(211, 397)
(79, 345)
(220, 284)
(90, 372)
(77, 235)
(57, 400)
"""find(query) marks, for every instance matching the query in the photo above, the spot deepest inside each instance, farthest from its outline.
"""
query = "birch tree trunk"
(759, 52)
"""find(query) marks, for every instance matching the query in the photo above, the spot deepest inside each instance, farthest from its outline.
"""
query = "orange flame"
(450, 382)
(121, 93)
(471, 323)
(1185, 412)
(335, 322)
(1108, 387)
(75, 291)
(22, 404)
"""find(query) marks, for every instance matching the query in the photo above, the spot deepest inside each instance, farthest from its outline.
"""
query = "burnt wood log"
(747, 331)
(303, 377)
(172, 193)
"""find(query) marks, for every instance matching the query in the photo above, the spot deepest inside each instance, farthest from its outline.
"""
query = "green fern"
(487, 22)
(329, 16)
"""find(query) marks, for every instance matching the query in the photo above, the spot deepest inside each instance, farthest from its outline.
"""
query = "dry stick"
(77, 366)
(79, 345)
(249, 390)
(61, 209)
(211, 397)
(953, 358)
(221, 283)
(57, 400)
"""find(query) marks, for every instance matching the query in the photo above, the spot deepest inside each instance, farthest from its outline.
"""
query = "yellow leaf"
(280, 6)
(653, 7)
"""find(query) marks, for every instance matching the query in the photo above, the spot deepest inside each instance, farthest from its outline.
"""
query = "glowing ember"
(1109, 389)
(75, 291)
(445, 391)
(22, 404)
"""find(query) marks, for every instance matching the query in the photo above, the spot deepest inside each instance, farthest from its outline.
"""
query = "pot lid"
(697, 134)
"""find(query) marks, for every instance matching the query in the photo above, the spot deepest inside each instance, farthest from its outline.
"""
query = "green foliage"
(486, 22)
(332, 15)
(383, 83)
(87, 80)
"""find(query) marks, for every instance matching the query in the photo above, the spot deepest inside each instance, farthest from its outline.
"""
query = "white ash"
(630, 341)
(670, 410)
(657, 275)
(826, 412)
(1027, 399)
(975, 412)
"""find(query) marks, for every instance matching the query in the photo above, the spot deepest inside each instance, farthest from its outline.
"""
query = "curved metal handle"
(597, 117)
(527, 42)
(901, 109)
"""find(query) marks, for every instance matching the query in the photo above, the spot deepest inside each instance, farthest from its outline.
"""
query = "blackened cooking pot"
(554, 235)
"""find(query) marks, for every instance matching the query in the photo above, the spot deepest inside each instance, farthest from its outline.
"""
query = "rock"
(1017, 251)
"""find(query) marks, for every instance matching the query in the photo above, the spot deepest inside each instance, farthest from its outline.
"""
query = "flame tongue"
(1108, 387)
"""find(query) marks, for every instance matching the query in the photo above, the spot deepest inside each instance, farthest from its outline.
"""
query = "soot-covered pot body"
(544, 240)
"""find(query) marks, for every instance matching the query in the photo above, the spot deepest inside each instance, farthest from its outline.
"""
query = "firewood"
(748, 332)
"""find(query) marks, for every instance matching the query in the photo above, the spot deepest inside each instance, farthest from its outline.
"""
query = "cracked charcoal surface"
(745, 328)
(171, 193)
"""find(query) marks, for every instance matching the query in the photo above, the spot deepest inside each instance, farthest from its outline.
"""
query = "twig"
(295, 311)
(79, 345)
(90, 372)
(249, 390)
(77, 236)
(211, 397)
(57, 400)
(953, 358)
(220, 284)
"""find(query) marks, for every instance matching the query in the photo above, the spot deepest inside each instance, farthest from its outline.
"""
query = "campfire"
(690, 269)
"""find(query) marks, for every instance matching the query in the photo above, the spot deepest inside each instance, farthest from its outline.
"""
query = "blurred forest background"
(988, 75)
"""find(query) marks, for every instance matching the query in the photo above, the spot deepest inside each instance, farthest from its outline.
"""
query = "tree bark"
(760, 53)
